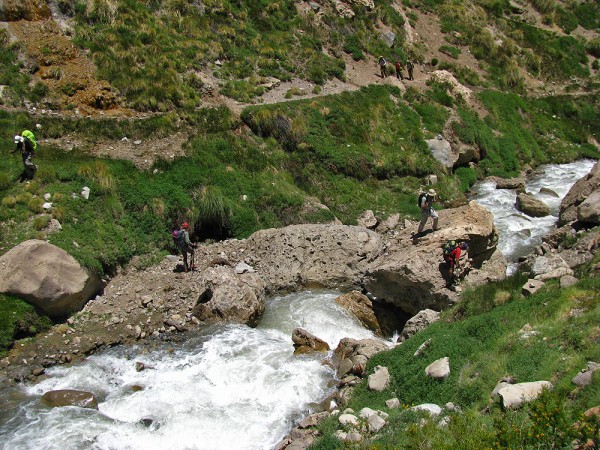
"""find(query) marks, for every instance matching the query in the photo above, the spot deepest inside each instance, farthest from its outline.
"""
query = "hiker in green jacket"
(27, 144)
(186, 246)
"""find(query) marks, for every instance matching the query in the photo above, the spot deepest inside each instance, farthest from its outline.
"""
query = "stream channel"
(230, 387)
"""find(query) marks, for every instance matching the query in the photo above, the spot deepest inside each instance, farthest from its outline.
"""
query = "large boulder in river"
(321, 255)
(531, 205)
(230, 297)
(412, 274)
(305, 342)
(580, 191)
(47, 277)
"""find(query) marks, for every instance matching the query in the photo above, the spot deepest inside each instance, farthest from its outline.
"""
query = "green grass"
(18, 320)
(481, 338)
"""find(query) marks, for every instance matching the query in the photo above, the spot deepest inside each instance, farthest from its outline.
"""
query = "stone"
(514, 395)
(379, 380)
(424, 346)
(589, 210)
(418, 322)
(431, 408)
(411, 274)
(388, 38)
(351, 348)
(578, 193)
(439, 369)
(509, 183)
(242, 267)
(313, 420)
(375, 423)
(367, 219)
(531, 206)
(361, 307)
(68, 397)
(567, 281)
(584, 377)
(85, 192)
(549, 192)
(531, 287)
(442, 151)
(348, 419)
(304, 341)
(229, 297)
(392, 403)
(389, 224)
(550, 264)
(46, 277)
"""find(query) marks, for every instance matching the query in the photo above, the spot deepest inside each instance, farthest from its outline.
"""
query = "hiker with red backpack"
(452, 253)
(181, 238)
(27, 144)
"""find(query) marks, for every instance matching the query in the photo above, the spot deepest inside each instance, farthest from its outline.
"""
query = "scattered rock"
(567, 280)
(584, 377)
(348, 419)
(589, 210)
(379, 380)
(367, 220)
(509, 183)
(85, 192)
(418, 322)
(512, 396)
(361, 307)
(531, 287)
(431, 408)
(439, 369)
(392, 403)
(305, 342)
(531, 206)
(69, 397)
(578, 193)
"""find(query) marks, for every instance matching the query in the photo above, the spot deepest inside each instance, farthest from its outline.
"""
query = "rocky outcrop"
(531, 205)
(580, 191)
(361, 307)
(47, 277)
(313, 255)
(412, 274)
(230, 297)
(352, 355)
(367, 220)
(68, 397)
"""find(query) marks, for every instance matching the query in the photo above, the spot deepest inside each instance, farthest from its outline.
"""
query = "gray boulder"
(439, 369)
(418, 323)
(548, 266)
(230, 297)
(367, 220)
(514, 395)
(379, 380)
(580, 191)
(531, 206)
(509, 183)
(589, 210)
(442, 151)
(316, 255)
(431, 408)
(47, 277)
(68, 397)
(531, 287)
(388, 38)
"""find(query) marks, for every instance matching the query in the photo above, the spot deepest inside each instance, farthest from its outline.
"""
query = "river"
(229, 387)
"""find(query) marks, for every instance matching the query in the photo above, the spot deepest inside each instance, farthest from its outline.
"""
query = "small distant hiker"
(452, 254)
(27, 144)
(184, 244)
(399, 70)
(410, 66)
(426, 204)
(382, 66)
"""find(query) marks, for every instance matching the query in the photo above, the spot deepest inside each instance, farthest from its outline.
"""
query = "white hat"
(18, 139)
(431, 192)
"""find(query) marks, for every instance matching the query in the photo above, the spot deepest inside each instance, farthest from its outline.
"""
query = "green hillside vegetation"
(482, 340)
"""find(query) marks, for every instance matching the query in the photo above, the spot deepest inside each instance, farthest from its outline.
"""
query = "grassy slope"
(482, 340)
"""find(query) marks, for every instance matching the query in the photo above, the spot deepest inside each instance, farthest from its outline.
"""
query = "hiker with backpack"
(27, 144)
(452, 251)
(182, 239)
(425, 202)
(399, 70)
(410, 66)
(382, 63)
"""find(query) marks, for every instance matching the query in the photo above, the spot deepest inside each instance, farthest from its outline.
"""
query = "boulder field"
(397, 268)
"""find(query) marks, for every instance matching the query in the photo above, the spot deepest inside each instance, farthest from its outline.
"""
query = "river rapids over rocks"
(230, 386)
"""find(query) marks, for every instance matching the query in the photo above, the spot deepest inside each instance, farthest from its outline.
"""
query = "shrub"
(593, 47)
(453, 52)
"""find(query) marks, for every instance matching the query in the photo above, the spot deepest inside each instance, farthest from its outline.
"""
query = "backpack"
(422, 196)
(29, 135)
(179, 238)
(449, 247)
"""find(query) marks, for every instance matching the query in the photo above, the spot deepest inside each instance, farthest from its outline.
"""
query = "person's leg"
(435, 218)
(193, 259)
(424, 217)
(185, 260)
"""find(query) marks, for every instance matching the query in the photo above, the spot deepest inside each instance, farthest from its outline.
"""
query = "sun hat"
(431, 192)
(19, 139)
